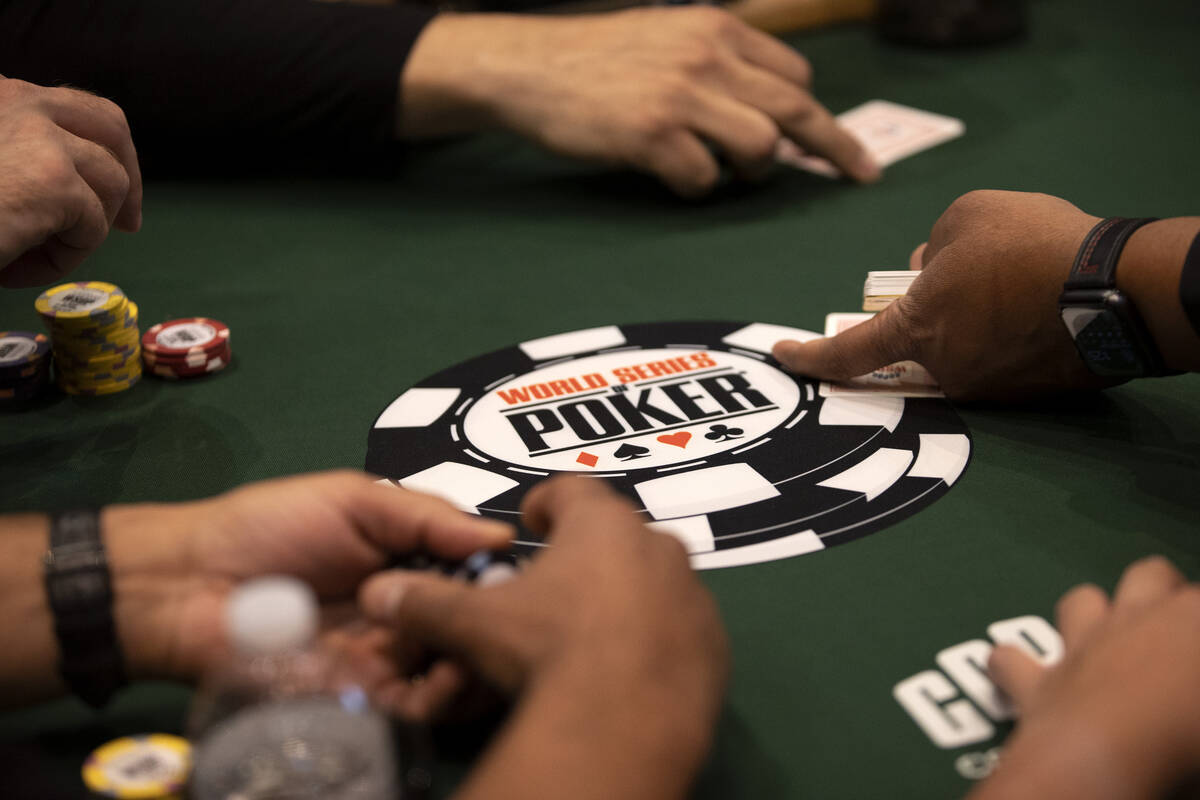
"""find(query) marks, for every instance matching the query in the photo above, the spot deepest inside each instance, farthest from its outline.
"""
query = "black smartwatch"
(80, 595)
(1107, 329)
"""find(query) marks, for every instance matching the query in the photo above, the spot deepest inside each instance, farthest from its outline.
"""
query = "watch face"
(1105, 341)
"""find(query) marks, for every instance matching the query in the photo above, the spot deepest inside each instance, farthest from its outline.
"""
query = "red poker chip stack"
(186, 348)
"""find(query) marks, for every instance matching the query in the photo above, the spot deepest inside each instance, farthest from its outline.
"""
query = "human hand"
(68, 172)
(174, 565)
(983, 316)
(609, 602)
(1118, 716)
(647, 87)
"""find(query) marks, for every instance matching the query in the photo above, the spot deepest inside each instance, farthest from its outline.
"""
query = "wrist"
(1148, 272)
(446, 84)
(149, 555)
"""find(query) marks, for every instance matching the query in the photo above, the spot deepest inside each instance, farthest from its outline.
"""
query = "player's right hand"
(983, 316)
(647, 87)
(68, 172)
(611, 604)
(1118, 716)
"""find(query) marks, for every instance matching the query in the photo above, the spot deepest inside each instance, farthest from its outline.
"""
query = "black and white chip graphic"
(694, 421)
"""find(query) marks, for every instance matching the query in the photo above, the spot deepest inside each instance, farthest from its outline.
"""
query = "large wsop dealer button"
(694, 421)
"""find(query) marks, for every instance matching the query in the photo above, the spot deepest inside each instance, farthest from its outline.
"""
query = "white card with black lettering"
(889, 132)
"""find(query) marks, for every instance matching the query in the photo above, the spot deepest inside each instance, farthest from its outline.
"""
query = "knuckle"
(762, 142)
(713, 20)
(674, 94)
(1153, 566)
(973, 203)
(1082, 592)
(796, 108)
(698, 57)
(1189, 598)
(54, 169)
(656, 123)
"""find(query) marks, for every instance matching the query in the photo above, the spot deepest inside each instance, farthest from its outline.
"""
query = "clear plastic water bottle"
(284, 718)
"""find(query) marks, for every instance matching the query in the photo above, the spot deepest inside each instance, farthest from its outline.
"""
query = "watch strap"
(1189, 285)
(80, 596)
(1095, 264)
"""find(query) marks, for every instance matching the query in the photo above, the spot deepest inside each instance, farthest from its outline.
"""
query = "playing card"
(889, 132)
(883, 286)
(902, 379)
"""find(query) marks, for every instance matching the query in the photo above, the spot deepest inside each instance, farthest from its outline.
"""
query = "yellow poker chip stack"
(153, 766)
(94, 335)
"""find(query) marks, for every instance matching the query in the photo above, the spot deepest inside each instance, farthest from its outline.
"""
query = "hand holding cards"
(902, 379)
(888, 131)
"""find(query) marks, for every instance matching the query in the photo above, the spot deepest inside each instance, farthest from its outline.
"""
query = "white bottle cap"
(271, 615)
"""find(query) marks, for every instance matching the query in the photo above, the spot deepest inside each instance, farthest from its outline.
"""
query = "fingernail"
(383, 596)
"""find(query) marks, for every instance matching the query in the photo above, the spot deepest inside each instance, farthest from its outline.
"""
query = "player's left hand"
(983, 316)
(174, 565)
(1120, 712)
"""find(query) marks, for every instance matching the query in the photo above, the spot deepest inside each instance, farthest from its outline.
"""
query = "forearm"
(1149, 272)
(584, 735)
(143, 544)
(28, 649)
(253, 72)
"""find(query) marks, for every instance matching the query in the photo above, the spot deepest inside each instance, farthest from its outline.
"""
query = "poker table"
(343, 292)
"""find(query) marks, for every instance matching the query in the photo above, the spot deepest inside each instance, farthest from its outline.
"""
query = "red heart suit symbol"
(679, 439)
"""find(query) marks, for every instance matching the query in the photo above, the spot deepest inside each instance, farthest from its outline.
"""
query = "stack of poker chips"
(94, 335)
(24, 367)
(884, 286)
(186, 348)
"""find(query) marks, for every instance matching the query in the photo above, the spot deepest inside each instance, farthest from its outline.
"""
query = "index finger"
(871, 344)
(400, 521)
(103, 122)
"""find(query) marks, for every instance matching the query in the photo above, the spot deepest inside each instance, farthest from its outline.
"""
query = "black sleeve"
(249, 76)
(1189, 285)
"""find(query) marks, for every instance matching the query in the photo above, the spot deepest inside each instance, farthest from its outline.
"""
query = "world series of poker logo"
(694, 421)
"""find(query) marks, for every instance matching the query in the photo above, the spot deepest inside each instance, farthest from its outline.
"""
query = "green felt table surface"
(342, 293)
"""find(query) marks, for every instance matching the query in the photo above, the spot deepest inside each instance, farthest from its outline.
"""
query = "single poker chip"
(192, 360)
(21, 349)
(694, 421)
(144, 767)
(99, 387)
(181, 337)
(24, 367)
(169, 372)
(84, 302)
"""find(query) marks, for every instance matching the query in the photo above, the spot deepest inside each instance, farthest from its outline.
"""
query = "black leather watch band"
(79, 592)
(1095, 264)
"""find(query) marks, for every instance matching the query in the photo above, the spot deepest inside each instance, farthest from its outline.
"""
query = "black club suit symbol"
(721, 433)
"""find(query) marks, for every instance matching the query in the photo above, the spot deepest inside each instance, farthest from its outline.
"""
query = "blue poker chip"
(695, 422)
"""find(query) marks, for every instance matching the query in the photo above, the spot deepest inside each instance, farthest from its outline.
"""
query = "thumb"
(1016, 673)
(421, 605)
(451, 618)
(871, 344)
